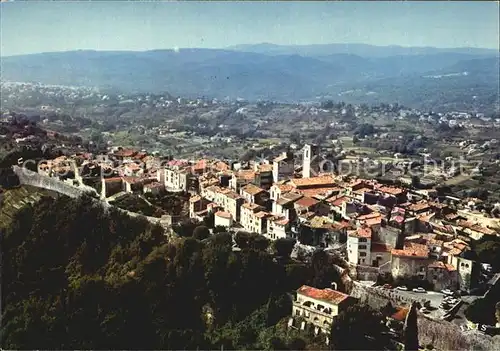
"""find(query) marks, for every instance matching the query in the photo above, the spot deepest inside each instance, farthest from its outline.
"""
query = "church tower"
(310, 153)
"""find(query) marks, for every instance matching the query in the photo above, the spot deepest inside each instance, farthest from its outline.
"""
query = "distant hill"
(400, 75)
(364, 50)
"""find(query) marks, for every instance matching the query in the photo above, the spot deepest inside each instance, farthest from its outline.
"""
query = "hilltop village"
(397, 242)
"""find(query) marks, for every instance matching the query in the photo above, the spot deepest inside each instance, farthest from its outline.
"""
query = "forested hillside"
(75, 276)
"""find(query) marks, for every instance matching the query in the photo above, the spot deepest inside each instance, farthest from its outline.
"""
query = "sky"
(44, 26)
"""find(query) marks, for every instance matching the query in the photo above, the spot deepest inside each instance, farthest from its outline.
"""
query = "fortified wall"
(28, 177)
(378, 297)
(34, 179)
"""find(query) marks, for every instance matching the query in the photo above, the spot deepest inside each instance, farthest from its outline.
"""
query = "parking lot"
(434, 297)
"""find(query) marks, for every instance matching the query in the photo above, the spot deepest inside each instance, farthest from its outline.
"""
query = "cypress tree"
(411, 330)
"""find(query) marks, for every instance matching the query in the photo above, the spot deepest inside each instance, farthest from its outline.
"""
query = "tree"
(410, 329)
(297, 344)
(283, 247)
(185, 228)
(242, 239)
(324, 271)
(201, 232)
(359, 328)
(219, 229)
(209, 220)
(246, 240)
(305, 235)
(295, 137)
(488, 251)
(415, 181)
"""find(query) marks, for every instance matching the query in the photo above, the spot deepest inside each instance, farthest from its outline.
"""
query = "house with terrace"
(317, 308)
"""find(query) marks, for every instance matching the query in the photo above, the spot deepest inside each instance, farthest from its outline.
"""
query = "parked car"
(424, 310)
(402, 288)
(447, 292)
(419, 290)
(387, 286)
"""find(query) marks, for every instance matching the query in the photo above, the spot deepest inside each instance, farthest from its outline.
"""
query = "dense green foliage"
(76, 276)
(488, 251)
(359, 328)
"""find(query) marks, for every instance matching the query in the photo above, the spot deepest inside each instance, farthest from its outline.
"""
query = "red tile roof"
(476, 227)
(338, 201)
(251, 206)
(221, 166)
(262, 214)
(362, 232)
(200, 165)
(252, 189)
(412, 250)
(391, 190)
(316, 191)
(328, 295)
(306, 202)
(125, 153)
(401, 314)
(313, 181)
(114, 179)
(442, 265)
(133, 180)
(246, 174)
(284, 187)
(223, 214)
(419, 206)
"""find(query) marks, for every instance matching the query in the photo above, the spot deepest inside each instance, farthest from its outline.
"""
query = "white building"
(359, 246)
(319, 306)
(223, 219)
(176, 180)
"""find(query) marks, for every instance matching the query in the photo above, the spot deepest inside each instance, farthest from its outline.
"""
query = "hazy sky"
(30, 27)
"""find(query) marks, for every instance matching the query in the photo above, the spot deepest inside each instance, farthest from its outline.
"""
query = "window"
(362, 240)
(362, 254)
(297, 312)
(362, 247)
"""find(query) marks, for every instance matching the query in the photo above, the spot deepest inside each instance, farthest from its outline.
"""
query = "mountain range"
(351, 72)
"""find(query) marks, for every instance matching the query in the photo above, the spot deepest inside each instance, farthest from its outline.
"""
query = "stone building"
(412, 260)
(442, 276)
(283, 167)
